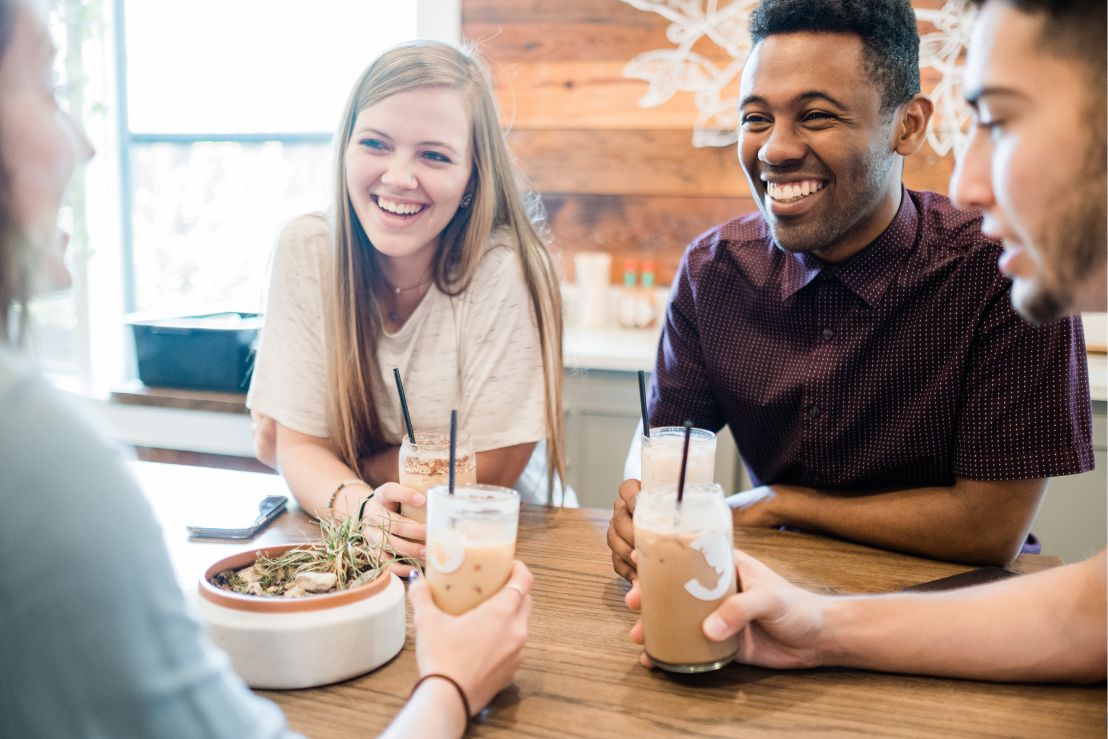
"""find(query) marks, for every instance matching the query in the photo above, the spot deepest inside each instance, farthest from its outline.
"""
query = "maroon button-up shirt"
(903, 366)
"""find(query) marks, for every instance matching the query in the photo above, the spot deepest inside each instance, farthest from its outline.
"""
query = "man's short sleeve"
(681, 390)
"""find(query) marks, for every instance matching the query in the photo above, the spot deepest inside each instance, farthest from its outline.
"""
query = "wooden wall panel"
(540, 13)
(563, 40)
(658, 163)
(626, 162)
(632, 227)
(615, 176)
(543, 94)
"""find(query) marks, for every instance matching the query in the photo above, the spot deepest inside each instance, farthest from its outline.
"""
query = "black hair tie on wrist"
(452, 681)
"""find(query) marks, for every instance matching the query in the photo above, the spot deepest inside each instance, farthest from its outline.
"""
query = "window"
(230, 108)
(213, 122)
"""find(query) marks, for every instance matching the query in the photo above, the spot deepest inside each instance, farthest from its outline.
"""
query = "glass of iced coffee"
(661, 456)
(471, 542)
(426, 463)
(686, 569)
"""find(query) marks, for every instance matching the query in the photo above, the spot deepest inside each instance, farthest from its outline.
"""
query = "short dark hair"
(1072, 29)
(888, 29)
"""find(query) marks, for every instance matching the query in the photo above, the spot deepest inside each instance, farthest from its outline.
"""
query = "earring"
(467, 200)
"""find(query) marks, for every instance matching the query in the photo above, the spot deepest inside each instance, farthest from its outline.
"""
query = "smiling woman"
(430, 262)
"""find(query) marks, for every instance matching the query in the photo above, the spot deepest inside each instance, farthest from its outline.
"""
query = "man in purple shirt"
(1035, 68)
(856, 336)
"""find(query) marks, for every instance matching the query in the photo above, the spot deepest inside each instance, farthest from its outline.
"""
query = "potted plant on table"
(301, 615)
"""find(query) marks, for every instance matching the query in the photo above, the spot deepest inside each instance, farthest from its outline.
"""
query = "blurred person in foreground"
(97, 639)
(1035, 165)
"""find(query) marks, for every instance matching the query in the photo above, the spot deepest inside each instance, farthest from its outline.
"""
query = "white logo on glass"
(447, 551)
(717, 553)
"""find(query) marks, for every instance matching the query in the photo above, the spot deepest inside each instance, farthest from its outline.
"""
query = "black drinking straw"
(403, 404)
(684, 462)
(642, 404)
(453, 446)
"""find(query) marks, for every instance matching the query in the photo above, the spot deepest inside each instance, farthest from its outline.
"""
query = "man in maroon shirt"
(855, 336)
(1035, 69)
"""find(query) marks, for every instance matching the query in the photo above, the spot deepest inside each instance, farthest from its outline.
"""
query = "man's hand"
(780, 624)
(621, 531)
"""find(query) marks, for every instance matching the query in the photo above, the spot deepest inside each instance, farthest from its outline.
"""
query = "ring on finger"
(516, 588)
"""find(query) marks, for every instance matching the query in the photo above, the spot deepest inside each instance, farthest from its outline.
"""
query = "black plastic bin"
(205, 352)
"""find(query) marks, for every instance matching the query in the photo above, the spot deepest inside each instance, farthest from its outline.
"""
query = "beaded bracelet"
(334, 495)
(452, 681)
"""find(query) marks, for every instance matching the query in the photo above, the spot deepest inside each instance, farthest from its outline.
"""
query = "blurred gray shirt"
(95, 636)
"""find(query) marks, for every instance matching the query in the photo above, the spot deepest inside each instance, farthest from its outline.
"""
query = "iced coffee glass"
(686, 569)
(471, 542)
(661, 456)
(426, 463)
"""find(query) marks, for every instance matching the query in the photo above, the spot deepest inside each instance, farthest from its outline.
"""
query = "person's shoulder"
(42, 416)
(16, 376)
(950, 230)
(744, 229)
(728, 239)
(500, 258)
(305, 235)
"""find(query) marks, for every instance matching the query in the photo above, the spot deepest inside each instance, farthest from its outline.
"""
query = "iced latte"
(661, 456)
(471, 541)
(686, 569)
(426, 463)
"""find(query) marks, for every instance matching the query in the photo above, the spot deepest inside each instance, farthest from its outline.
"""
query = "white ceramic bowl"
(280, 643)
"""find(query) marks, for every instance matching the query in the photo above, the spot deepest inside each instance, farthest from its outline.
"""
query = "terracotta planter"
(280, 643)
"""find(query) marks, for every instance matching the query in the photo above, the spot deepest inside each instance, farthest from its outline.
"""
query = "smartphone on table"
(237, 519)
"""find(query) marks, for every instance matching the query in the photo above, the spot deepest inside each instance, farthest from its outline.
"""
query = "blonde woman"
(429, 262)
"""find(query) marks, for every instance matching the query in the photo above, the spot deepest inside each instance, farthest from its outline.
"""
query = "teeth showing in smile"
(400, 209)
(792, 191)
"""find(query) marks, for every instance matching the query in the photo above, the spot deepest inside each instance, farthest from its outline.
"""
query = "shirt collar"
(869, 272)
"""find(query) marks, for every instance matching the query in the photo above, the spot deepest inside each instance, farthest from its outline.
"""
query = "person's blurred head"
(829, 106)
(1035, 160)
(40, 149)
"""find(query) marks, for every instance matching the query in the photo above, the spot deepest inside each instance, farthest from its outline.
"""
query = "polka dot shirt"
(903, 366)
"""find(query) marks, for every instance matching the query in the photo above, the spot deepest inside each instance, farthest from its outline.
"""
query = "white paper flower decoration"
(681, 69)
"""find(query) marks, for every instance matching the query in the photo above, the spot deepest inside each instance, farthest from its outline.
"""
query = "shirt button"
(828, 333)
(813, 411)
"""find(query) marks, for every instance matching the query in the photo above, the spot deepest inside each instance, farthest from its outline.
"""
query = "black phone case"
(204, 532)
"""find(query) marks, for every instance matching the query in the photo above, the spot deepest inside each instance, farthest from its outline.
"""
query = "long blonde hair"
(501, 199)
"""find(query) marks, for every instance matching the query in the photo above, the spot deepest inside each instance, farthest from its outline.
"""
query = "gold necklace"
(393, 313)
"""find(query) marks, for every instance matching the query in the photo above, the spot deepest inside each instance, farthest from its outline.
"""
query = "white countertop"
(618, 349)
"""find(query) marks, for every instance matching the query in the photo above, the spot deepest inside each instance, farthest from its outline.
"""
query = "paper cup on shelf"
(593, 271)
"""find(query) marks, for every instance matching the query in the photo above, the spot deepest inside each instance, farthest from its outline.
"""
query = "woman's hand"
(482, 648)
(382, 515)
(779, 624)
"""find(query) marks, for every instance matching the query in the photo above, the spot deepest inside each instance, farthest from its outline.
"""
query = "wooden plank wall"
(613, 176)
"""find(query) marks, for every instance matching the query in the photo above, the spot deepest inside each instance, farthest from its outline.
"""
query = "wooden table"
(581, 676)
